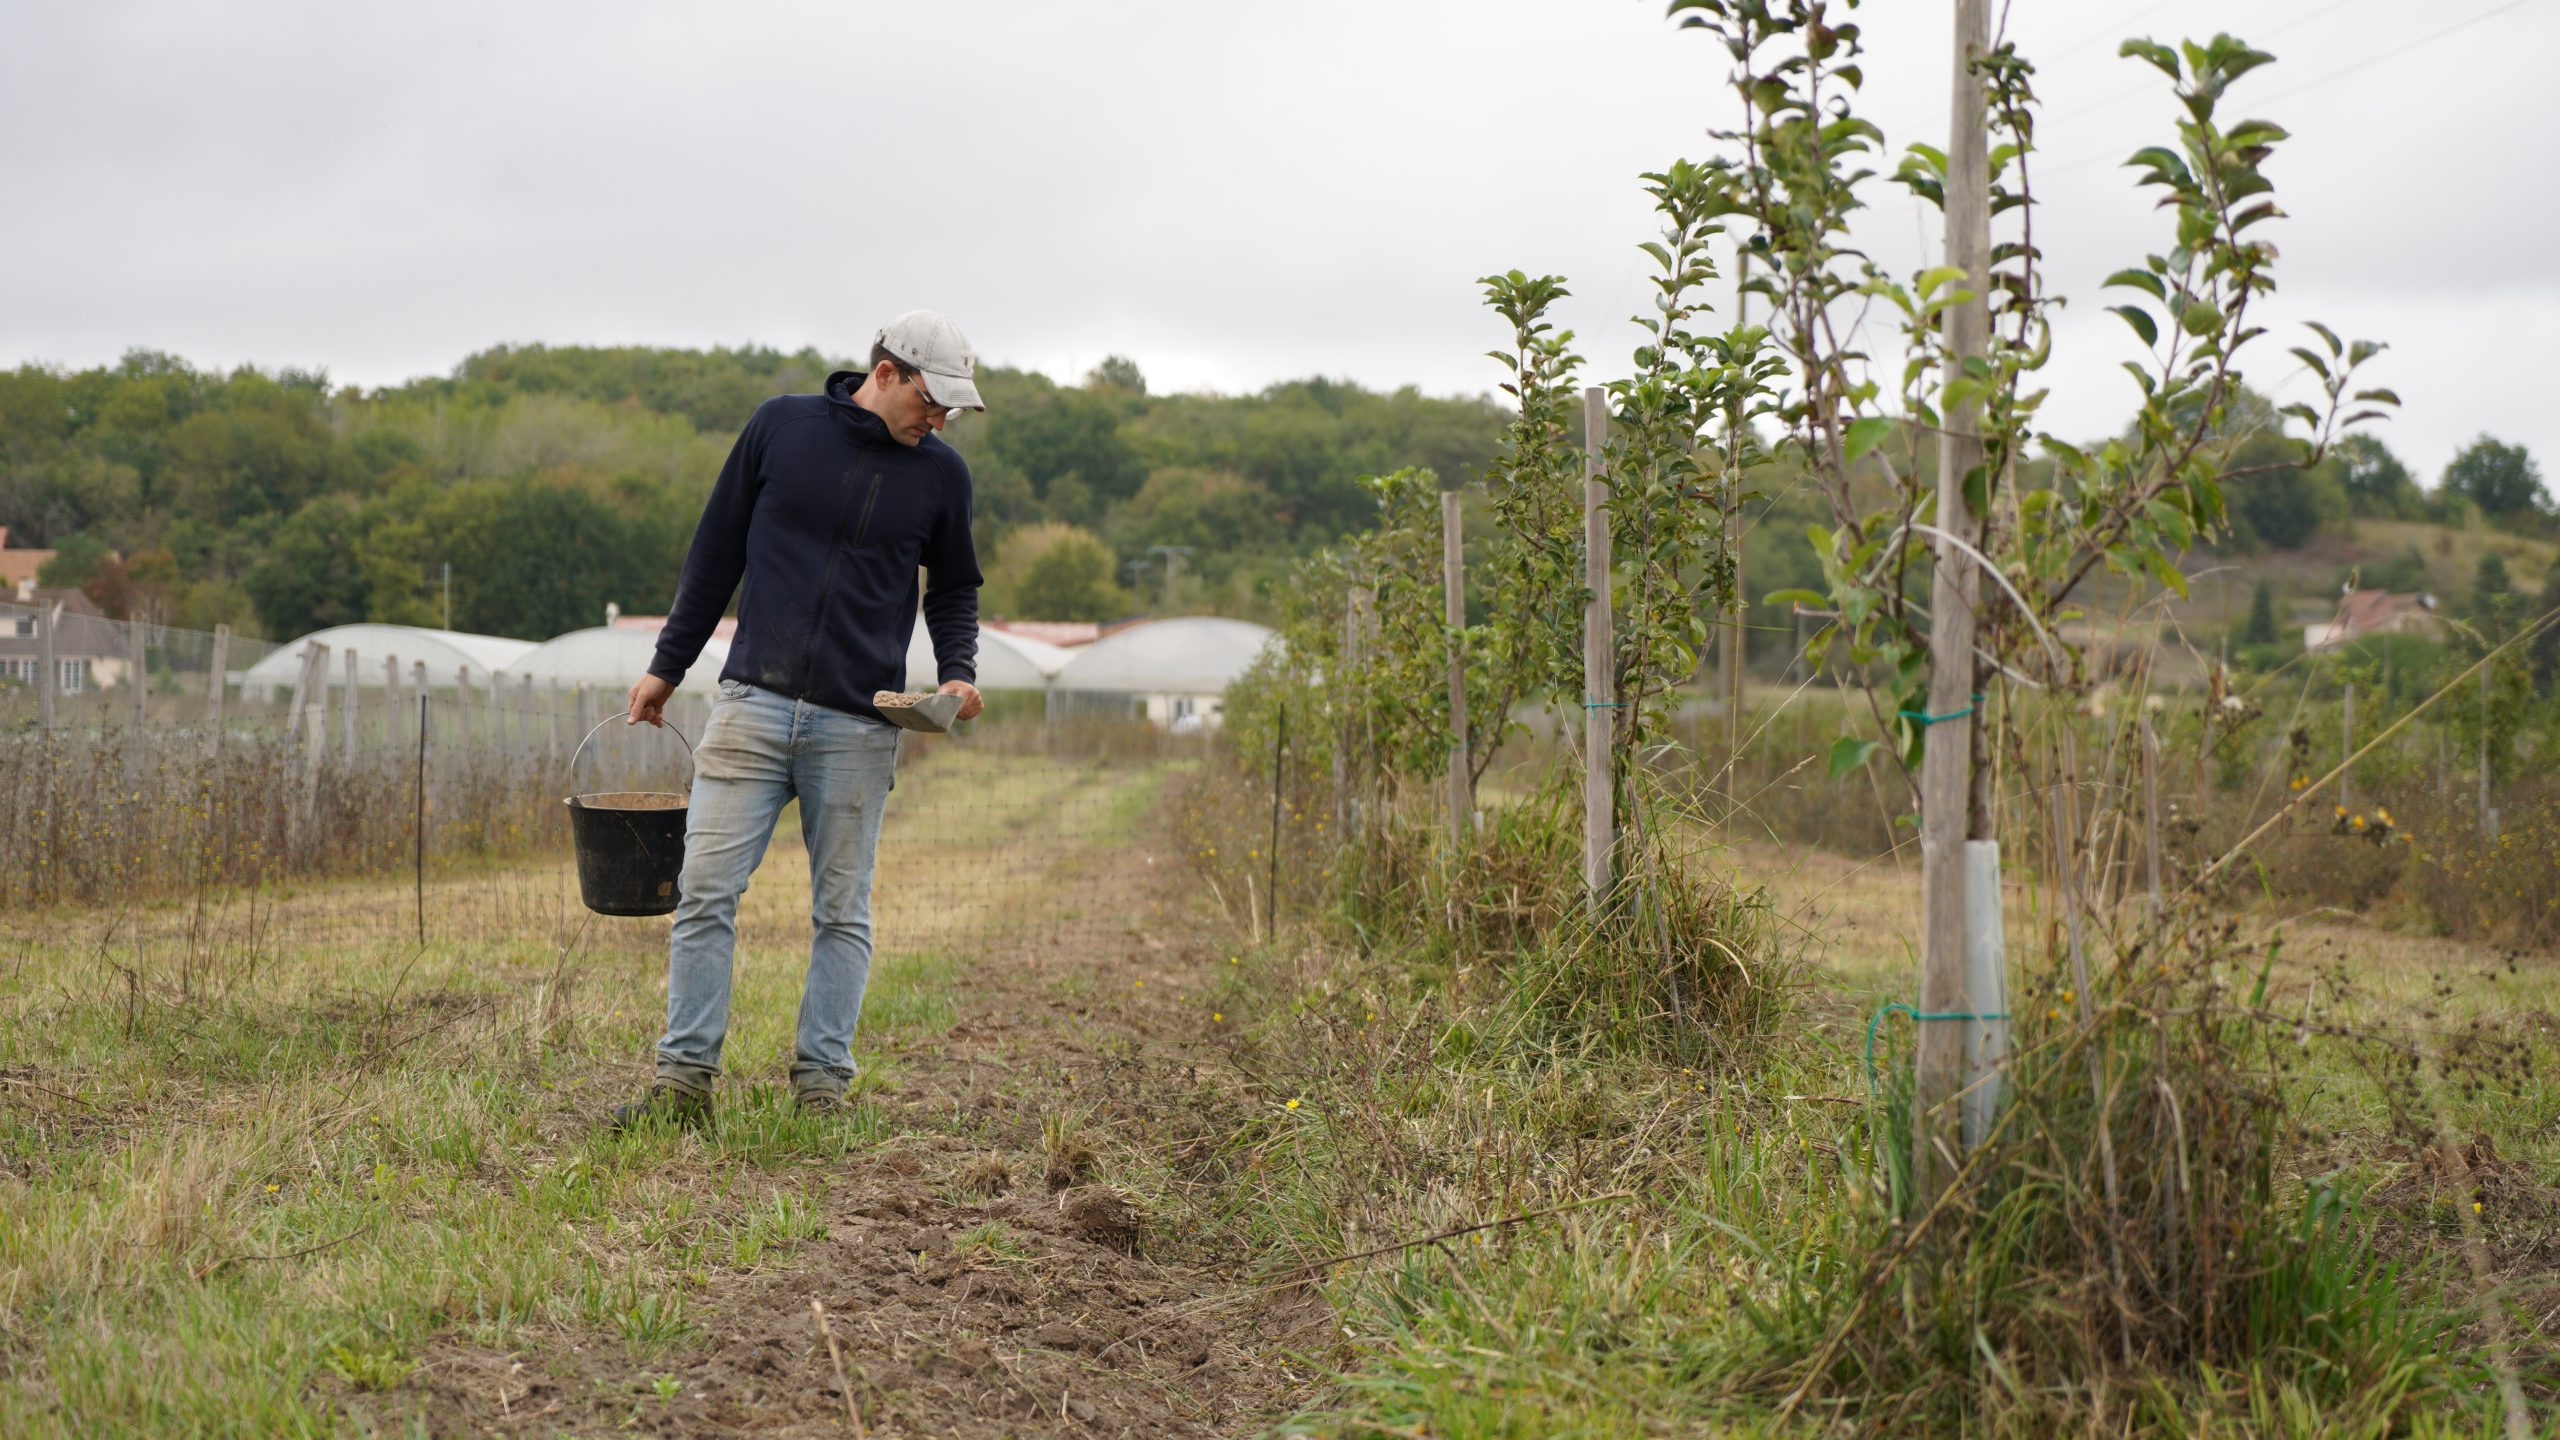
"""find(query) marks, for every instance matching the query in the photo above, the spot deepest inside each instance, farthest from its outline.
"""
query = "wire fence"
(160, 790)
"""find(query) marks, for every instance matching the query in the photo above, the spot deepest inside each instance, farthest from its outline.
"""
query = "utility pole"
(1172, 568)
(1945, 766)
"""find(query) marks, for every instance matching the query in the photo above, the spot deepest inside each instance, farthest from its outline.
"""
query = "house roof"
(1005, 661)
(725, 629)
(17, 565)
(1064, 634)
(2366, 609)
(85, 634)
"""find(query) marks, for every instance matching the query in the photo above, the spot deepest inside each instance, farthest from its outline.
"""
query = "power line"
(2396, 51)
(2103, 31)
(2339, 74)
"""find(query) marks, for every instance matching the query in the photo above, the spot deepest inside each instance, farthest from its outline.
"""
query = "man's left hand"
(970, 701)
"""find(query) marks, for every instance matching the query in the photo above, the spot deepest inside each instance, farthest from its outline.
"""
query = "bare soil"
(1100, 1305)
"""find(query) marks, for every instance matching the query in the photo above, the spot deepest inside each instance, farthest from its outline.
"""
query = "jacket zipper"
(827, 581)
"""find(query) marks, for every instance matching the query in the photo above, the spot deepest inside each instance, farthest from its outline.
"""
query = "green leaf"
(2158, 54)
(2141, 321)
(2200, 318)
(1811, 599)
(2140, 280)
(2164, 163)
(2379, 396)
(1863, 436)
(1848, 753)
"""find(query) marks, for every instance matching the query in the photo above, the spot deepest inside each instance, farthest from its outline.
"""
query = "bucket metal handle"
(609, 719)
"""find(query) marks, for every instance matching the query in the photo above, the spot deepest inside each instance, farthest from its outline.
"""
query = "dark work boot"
(665, 1104)
(823, 1104)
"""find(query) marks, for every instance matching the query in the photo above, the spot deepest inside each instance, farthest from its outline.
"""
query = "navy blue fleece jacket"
(825, 518)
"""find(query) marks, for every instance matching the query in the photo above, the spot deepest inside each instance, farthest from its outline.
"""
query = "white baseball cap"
(927, 340)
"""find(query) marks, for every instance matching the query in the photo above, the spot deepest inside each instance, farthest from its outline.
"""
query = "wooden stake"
(1363, 623)
(347, 708)
(314, 688)
(1346, 666)
(2151, 811)
(1279, 787)
(1945, 779)
(1737, 650)
(215, 686)
(2488, 817)
(418, 832)
(301, 688)
(1453, 587)
(1599, 645)
(48, 665)
(137, 684)
(2347, 749)
(394, 714)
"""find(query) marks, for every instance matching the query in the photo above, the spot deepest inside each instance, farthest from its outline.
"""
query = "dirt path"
(1015, 1258)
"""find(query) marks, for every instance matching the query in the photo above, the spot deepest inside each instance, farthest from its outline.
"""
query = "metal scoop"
(931, 714)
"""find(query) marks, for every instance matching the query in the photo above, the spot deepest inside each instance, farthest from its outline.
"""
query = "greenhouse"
(449, 654)
(1174, 672)
(1005, 662)
(611, 657)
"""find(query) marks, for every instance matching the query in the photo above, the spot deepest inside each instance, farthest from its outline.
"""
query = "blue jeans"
(760, 751)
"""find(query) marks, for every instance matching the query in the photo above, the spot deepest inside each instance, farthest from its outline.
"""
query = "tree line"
(521, 493)
(551, 479)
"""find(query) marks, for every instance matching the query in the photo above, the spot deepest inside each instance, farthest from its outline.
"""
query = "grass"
(259, 1149)
(1713, 1221)
(261, 1154)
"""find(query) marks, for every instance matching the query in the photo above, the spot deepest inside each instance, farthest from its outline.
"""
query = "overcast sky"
(1232, 194)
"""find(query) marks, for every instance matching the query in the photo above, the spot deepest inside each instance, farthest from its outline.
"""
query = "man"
(826, 508)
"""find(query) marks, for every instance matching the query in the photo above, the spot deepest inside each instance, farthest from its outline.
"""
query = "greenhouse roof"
(1005, 662)
(1192, 655)
(448, 653)
(611, 657)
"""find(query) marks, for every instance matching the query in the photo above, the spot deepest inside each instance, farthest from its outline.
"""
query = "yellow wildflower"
(1292, 1105)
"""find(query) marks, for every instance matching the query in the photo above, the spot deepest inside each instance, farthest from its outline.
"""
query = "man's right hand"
(648, 702)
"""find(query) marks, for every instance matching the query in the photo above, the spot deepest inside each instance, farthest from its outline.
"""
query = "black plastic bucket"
(630, 843)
